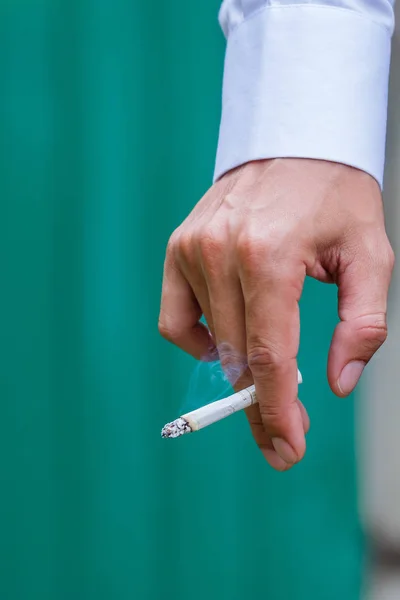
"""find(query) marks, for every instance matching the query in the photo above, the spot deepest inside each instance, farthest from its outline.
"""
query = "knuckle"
(273, 414)
(169, 330)
(164, 330)
(274, 420)
(385, 258)
(391, 259)
(174, 238)
(261, 357)
(375, 334)
(172, 243)
(251, 251)
(211, 243)
(185, 245)
(378, 252)
(272, 249)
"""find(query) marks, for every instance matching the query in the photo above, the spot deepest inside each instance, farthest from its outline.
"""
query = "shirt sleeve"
(305, 79)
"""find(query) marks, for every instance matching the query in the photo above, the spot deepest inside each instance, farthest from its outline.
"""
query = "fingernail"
(285, 451)
(274, 460)
(350, 375)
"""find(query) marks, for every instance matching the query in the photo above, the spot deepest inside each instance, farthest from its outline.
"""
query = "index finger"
(271, 294)
(180, 312)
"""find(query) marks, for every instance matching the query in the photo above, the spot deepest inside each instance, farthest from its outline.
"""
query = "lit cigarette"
(211, 413)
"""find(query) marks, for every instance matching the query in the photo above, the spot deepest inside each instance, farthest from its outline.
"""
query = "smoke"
(210, 382)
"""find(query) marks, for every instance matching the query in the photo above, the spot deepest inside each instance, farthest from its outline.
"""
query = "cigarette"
(211, 413)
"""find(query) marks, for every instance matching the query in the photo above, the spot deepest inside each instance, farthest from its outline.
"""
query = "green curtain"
(109, 117)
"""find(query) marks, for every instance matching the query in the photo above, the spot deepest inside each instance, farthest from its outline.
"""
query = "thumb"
(363, 291)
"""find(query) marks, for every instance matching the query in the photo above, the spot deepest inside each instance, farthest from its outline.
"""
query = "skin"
(241, 258)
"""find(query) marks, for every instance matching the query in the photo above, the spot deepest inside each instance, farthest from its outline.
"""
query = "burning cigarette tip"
(175, 428)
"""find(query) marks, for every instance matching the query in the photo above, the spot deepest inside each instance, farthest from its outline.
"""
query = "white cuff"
(305, 81)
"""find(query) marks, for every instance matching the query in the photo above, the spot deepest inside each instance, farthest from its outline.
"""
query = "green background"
(109, 117)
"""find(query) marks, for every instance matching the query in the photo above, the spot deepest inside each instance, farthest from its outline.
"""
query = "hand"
(241, 257)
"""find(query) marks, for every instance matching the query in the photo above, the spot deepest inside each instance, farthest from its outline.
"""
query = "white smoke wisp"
(210, 382)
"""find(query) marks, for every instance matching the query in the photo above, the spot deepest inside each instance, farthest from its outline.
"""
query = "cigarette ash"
(176, 428)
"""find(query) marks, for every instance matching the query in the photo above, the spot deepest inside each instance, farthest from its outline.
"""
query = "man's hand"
(241, 258)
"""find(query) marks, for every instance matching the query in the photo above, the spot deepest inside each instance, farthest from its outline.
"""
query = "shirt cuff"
(307, 82)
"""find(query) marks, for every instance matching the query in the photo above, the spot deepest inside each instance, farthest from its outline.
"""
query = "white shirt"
(305, 79)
